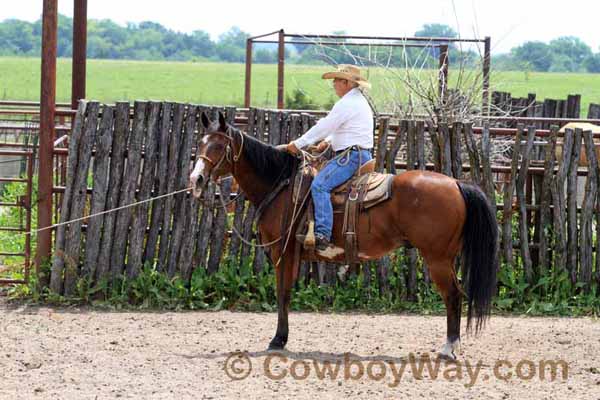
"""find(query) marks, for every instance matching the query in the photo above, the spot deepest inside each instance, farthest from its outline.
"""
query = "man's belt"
(355, 147)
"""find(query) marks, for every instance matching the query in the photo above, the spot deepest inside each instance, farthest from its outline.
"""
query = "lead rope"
(105, 212)
(235, 157)
(305, 156)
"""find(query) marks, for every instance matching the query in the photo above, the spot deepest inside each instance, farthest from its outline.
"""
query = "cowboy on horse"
(348, 129)
(437, 214)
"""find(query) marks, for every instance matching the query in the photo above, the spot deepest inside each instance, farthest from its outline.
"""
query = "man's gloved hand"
(290, 148)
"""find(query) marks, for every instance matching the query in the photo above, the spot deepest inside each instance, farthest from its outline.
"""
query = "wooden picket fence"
(503, 103)
(594, 111)
(117, 157)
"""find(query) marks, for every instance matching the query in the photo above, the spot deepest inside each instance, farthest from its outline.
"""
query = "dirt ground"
(48, 353)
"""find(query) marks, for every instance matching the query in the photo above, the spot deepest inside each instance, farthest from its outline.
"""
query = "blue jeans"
(337, 171)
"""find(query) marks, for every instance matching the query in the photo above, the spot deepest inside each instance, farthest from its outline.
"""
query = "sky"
(508, 22)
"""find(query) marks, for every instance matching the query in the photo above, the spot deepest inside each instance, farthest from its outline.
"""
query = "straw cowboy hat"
(349, 72)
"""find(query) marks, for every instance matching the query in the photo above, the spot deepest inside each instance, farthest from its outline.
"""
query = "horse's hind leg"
(443, 275)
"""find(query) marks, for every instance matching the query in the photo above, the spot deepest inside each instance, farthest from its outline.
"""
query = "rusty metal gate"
(22, 203)
(18, 142)
(19, 138)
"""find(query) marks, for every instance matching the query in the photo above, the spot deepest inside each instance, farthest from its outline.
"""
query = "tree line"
(152, 41)
(563, 54)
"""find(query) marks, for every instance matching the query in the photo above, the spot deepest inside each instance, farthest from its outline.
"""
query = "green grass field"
(223, 83)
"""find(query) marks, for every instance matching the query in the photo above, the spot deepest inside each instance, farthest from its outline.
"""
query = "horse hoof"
(448, 357)
(449, 350)
(276, 344)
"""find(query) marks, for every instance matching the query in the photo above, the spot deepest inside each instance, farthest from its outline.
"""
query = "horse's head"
(215, 153)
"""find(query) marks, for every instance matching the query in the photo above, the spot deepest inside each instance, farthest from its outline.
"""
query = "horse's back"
(419, 185)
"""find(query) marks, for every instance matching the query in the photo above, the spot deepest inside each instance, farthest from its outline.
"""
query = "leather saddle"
(364, 190)
(374, 187)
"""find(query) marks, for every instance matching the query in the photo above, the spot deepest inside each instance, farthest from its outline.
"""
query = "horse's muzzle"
(198, 185)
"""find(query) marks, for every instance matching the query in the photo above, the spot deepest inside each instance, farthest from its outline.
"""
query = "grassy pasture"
(223, 83)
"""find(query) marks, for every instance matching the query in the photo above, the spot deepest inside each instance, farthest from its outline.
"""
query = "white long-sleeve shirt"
(349, 123)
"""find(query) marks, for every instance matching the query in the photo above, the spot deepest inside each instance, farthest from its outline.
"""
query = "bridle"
(228, 155)
(233, 158)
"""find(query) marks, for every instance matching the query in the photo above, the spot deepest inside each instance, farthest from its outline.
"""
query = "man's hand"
(323, 146)
(290, 148)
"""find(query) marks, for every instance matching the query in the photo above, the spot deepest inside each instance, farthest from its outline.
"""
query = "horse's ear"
(204, 120)
(222, 122)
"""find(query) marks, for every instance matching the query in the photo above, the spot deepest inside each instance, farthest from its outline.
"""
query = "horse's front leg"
(284, 273)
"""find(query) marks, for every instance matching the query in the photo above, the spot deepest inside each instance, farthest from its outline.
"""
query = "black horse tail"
(479, 253)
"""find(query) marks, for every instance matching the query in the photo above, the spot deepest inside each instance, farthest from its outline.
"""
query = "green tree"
(107, 39)
(561, 63)
(200, 44)
(108, 30)
(506, 62)
(536, 54)
(231, 53)
(232, 44)
(174, 46)
(592, 63)
(99, 48)
(17, 36)
(264, 56)
(234, 37)
(153, 26)
(65, 36)
(572, 48)
(149, 41)
(436, 30)
(299, 100)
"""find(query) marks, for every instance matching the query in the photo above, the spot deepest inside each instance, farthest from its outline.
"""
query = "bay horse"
(436, 214)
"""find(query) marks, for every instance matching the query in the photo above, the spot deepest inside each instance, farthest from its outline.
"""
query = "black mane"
(271, 165)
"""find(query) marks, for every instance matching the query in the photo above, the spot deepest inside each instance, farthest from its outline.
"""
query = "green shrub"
(299, 100)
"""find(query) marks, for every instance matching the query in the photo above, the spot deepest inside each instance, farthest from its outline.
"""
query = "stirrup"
(309, 239)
